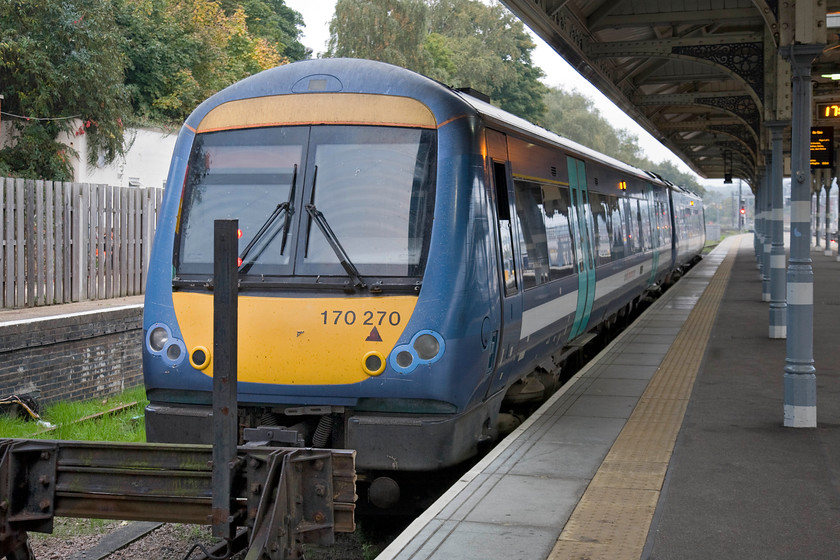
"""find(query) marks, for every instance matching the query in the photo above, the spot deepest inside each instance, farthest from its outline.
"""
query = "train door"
(511, 297)
(583, 246)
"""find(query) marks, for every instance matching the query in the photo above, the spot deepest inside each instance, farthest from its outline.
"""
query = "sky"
(317, 14)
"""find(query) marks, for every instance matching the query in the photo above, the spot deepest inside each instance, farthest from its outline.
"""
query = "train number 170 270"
(373, 318)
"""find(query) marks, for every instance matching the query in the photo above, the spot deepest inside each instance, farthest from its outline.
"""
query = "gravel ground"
(71, 536)
(169, 542)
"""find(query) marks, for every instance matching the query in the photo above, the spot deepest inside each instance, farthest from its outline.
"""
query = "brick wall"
(75, 357)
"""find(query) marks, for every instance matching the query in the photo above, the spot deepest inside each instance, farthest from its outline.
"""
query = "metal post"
(828, 252)
(800, 380)
(838, 219)
(778, 283)
(766, 211)
(225, 414)
(758, 235)
(816, 216)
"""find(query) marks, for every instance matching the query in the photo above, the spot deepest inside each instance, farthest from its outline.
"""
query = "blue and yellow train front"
(368, 303)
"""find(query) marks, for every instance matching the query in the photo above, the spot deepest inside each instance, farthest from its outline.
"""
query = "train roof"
(368, 76)
(491, 113)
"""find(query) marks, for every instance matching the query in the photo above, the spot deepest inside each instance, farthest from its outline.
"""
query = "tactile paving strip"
(613, 517)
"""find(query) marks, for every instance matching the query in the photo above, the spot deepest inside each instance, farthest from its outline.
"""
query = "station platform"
(668, 445)
(49, 312)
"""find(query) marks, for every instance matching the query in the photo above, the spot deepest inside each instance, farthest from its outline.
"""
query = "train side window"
(558, 231)
(601, 219)
(619, 251)
(664, 224)
(505, 233)
(532, 244)
(644, 224)
(632, 226)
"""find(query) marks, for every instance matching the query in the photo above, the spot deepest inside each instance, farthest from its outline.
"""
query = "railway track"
(162, 541)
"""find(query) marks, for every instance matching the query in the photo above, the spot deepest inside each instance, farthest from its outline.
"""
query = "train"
(412, 259)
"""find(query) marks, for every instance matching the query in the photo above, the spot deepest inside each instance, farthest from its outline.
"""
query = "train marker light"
(200, 357)
(173, 352)
(404, 359)
(373, 363)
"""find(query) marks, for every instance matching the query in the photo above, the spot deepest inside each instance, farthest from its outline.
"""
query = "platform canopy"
(703, 77)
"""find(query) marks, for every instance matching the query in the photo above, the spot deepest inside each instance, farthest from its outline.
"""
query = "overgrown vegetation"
(108, 63)
(464, 43)
(64, 417)
(105, 63)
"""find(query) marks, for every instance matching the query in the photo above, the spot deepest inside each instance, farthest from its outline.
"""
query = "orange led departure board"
(822, 146)
(828, 110)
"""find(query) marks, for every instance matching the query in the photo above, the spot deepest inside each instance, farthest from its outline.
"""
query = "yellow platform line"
(613, 517)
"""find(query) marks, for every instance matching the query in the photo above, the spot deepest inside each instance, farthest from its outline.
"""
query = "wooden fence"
(65, 242)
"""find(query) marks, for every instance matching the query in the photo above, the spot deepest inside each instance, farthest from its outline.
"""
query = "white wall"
(148, 152)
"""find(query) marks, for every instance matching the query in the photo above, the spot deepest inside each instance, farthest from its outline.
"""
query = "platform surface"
(669, 445)
(46, 312)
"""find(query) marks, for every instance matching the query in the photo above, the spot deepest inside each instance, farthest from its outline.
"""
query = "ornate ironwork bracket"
(746, 60)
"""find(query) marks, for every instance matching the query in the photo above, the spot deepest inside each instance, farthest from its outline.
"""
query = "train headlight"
(425, 347)
(160, 342)
(157, 338)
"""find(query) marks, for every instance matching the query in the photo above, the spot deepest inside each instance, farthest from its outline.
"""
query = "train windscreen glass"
(244, 175)
(373, 185)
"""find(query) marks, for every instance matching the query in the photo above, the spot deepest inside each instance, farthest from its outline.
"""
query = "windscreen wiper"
(319, 219)
(283, 207)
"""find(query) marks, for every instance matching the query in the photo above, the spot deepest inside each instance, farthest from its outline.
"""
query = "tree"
(274, 22)
(60, 64)
(670, 171)
(574, 116)
(464, 43)
(386, 30)
(182, 51)
(485, 47)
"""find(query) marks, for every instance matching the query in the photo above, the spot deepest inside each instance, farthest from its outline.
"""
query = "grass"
(126, 425)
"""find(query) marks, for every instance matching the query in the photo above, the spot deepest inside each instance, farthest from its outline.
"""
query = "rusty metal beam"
(40, 479)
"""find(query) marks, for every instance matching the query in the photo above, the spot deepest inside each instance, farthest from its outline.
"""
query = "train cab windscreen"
(301, 192)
